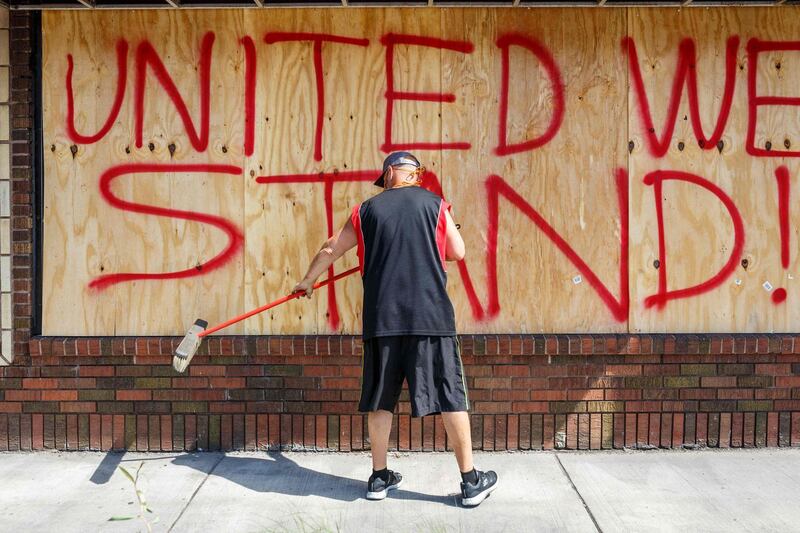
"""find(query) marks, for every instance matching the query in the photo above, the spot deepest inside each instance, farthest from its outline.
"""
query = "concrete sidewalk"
(733, 490)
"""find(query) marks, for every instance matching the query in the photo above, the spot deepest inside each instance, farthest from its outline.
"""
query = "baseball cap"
(396, 159)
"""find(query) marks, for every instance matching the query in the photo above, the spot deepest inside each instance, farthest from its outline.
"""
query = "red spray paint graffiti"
(317, 39)
(656, 179)
(235, 237)
(391, 40)
(122, 81)
(685, 74)
(495, 186)
(147, 55)
(430, 181)
(755, 47)
(784, 191)
(548, 63)
(249, 94)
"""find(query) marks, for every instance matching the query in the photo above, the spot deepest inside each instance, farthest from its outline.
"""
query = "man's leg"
(458, 432)
(379, 424)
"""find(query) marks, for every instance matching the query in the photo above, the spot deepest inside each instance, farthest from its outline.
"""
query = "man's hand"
(305, 286)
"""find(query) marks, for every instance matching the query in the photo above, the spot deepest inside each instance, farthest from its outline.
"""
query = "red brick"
(718, 381)
(492, 383)
(642, 428)
(190, 383)
(630, 430)
(737, 430)
(25, 432)
(725, 430)
(772, 429)
(772, 369)
(796, 420)
(500, 432)
(492, 407)
(702, 429)
(585, 394)
(226, 432)
(509, 395)
(513, 432)
(119, 432)
(735, 394)
(153, 433)
(309, 431)
(666, 430)
(527, 383)
(583, 431)
(787, 381)
(358, 430)
(166, 433)
(261, 431)
(341, 383)
(623, 370)
(95, 432)
(321, 370)
(106, 432)
(227, 383)
(439, 434)
(207, 370)
(488, 432)
(622, 394)
(190, 436)
(511, 371)
(196, 395)
(3, 433)
(749, 439)
(342, 433)
(548, 395)
(96, 371)
(416, 434)
(654, 429)
(619, 430)
(321, 432)
(40, 383)
(134, 395)
(141, 433)
(78, 407)
(37, 432)
(72, 432)
(400, 433)
(22, 396)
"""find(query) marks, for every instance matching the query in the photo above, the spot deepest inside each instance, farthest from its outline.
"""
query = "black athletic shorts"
(432, 366)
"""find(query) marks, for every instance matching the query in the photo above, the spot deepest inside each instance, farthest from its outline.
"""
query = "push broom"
(191, 342)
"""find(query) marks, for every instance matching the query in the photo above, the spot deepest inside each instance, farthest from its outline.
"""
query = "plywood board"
(546, 226)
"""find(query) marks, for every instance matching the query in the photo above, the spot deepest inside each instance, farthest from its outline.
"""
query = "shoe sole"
(382, 494)
(476, 500)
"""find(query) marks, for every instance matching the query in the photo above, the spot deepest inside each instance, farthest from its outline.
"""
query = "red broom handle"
(279, 301)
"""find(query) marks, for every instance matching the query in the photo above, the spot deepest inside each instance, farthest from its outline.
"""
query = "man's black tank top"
(401, 249)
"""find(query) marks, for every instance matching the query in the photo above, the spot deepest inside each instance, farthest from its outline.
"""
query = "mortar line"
(572, 484)
(191, 498)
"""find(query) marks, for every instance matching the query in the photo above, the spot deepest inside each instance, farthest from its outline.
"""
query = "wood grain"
(569, 182)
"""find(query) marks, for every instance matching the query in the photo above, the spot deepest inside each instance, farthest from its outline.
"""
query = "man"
(404, 235)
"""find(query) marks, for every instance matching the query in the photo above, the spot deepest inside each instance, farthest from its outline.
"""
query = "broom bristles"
(188, 346)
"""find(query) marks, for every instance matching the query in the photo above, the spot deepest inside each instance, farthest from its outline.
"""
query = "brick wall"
(527, 392)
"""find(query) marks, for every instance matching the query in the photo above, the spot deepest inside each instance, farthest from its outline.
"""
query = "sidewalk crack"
(191, 498)
(580, 497)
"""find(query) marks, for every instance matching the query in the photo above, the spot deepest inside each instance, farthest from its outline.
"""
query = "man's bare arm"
(331, 250)
(455, 249)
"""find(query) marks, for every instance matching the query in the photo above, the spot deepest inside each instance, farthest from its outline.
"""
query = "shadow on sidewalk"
(278, 474)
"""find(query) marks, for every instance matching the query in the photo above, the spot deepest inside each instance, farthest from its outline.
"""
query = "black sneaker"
(377, 487)
(472, 495)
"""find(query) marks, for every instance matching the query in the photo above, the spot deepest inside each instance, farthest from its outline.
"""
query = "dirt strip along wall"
(624, 179)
